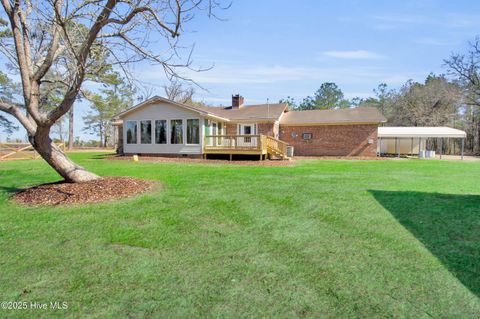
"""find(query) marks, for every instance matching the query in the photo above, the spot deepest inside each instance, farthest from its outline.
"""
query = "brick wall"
(265, 129)
(332, 140)
(231, 128)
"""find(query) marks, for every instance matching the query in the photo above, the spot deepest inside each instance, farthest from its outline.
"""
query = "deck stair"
(276, 149)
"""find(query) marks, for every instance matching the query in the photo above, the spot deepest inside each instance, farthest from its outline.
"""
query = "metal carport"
(420, 134)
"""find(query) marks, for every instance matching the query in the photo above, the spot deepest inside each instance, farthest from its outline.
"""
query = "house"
(160, 126)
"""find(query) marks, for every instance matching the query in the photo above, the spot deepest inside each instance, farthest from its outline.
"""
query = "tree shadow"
(103, 156)
(9, 190)
(447, 224)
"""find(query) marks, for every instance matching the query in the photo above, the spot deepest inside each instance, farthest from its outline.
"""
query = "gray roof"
(272, 112)
(340, 116)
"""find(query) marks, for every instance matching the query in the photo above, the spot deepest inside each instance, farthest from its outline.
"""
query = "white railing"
(232, 142)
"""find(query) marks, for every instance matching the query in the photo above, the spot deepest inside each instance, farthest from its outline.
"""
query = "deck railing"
(245, 144)
(276, 145)
(233, 142)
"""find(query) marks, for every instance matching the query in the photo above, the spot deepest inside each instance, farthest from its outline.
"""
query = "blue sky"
(273, 49)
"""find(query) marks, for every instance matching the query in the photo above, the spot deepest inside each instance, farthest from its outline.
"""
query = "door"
(247, 129)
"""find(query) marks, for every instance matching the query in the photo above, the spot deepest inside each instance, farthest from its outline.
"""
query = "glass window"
(177, 132)
(146, 132)
(161, 131)
(193, 132)
(131, 132)
(307, 136)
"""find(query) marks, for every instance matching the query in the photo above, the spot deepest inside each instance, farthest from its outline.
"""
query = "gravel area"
(100, 190)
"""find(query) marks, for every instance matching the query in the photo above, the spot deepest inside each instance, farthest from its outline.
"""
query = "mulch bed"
(203, 161)
(100, 190)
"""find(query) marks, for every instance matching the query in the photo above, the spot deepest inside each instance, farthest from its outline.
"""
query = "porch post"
(397, 147)
(463, 146)
(380, 146)
(441, 146)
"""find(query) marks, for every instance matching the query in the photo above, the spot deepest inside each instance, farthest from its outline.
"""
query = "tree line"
(451, 99)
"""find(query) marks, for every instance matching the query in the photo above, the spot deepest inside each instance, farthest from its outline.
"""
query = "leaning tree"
(65, 42)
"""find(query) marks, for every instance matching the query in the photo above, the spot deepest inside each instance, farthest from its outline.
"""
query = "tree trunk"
(57, 159)
(101, 136)
(70, 128)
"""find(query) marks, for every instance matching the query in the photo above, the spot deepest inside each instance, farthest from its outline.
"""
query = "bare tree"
(178, 92)
(466, 67)
(44, 36)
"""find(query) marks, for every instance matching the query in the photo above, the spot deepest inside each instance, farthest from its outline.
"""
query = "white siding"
(163, 111)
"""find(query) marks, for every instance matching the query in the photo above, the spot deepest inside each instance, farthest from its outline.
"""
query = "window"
(161, 132)
(177, 132)
(193, 132)
(131, 132)
(146, 132)
(307, 136)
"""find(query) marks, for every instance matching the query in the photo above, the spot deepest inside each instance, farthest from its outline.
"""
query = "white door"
(247, 129)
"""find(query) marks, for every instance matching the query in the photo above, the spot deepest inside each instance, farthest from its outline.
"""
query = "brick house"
(164, 127)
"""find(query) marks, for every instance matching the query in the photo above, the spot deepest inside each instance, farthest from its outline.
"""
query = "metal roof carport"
(420, 133)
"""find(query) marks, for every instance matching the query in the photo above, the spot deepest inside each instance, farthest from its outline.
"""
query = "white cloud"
(354, 54)
(450, 20)
(234, 75)
(435, 42)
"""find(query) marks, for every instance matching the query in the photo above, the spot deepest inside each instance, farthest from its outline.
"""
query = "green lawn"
(320, 239)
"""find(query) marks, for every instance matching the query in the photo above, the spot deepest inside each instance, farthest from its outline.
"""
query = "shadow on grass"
(9, 190)
(102, 156)
(448, 225)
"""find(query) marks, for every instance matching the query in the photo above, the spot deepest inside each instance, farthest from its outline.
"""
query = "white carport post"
(463, 146)
(441, 146)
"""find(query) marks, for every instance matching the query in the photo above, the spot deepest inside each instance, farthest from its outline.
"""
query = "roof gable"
(159, 99)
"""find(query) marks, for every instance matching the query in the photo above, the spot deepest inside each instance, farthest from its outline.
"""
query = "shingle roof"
(157, 99)
(355, 115)
(248, 112)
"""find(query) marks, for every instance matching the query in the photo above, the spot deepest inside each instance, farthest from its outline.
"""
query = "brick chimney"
(237, 101)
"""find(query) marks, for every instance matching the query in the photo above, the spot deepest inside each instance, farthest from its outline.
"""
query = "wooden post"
(411, 148)
(230, 157)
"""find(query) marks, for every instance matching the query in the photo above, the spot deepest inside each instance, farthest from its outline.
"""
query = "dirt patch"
(100, 190)
(204, 161)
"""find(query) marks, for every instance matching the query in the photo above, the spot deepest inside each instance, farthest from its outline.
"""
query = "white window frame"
(137, 132)
(152, 135)
(242, 125)
(184, 131)
(167, 126)
(199, 131)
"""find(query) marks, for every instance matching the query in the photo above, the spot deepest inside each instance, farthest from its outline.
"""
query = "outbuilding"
(412, 139)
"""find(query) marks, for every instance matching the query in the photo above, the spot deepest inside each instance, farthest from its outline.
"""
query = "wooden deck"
(261, 145)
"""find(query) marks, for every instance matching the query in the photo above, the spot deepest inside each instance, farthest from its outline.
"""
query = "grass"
(323, 238)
